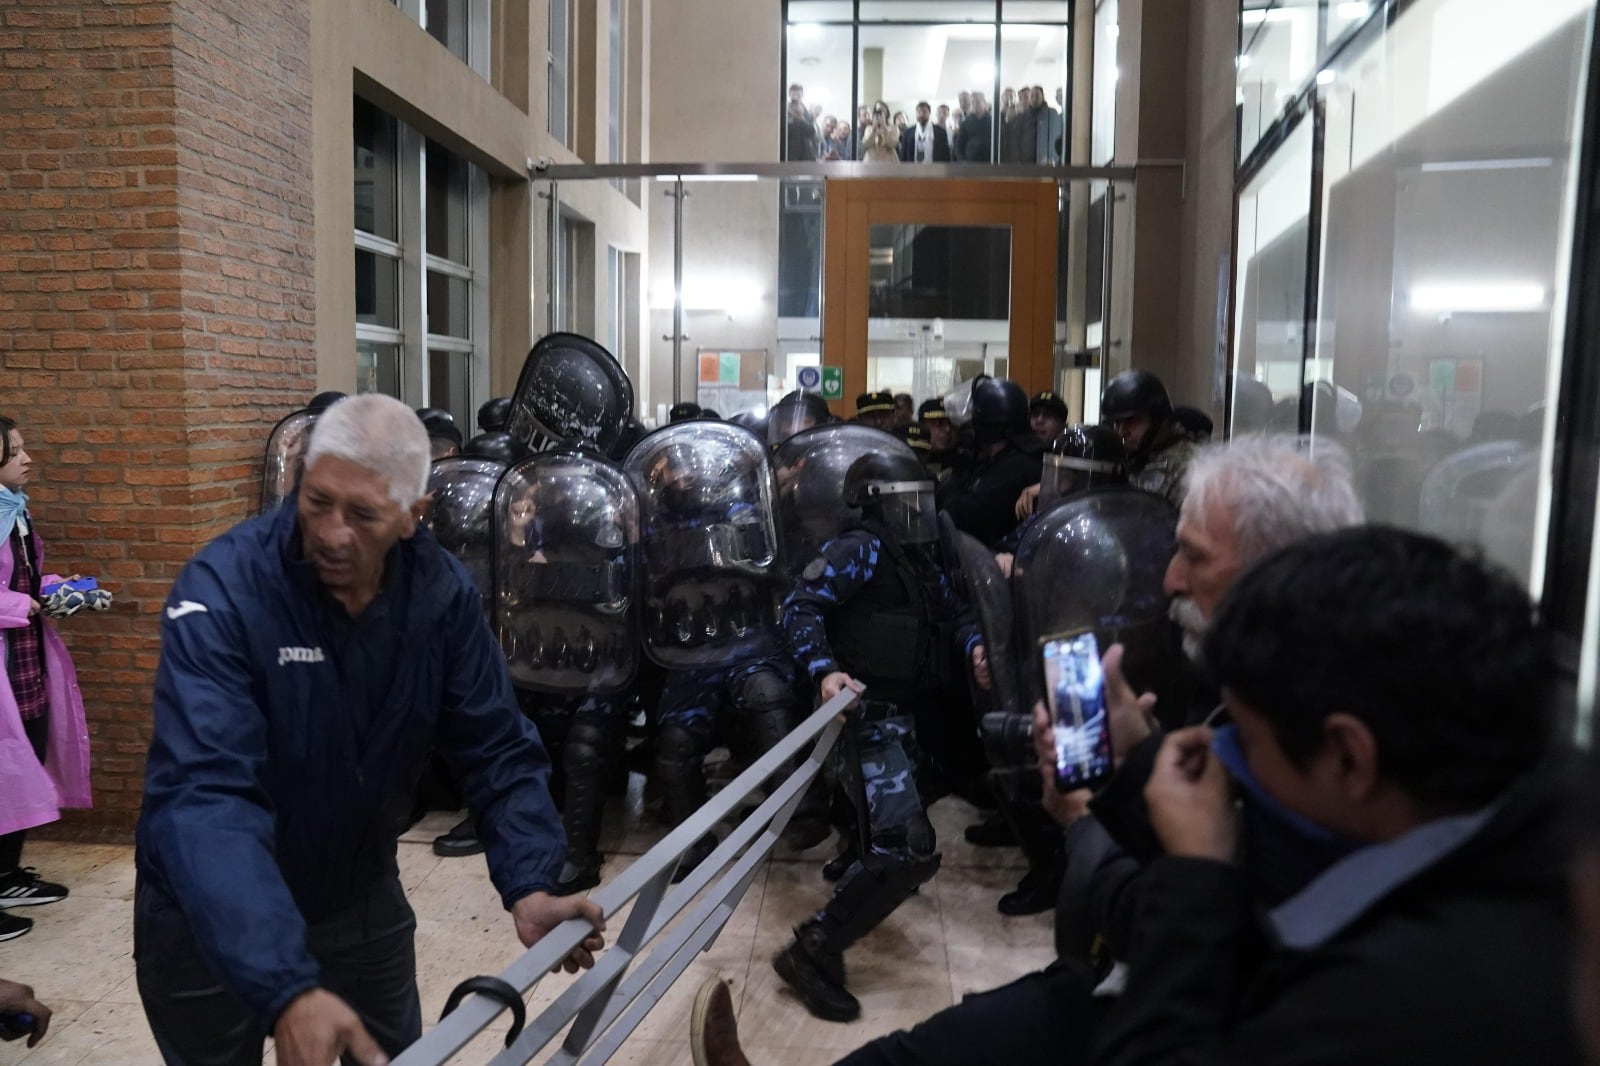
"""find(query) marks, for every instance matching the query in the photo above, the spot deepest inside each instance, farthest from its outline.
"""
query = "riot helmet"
(683, 412)
(795, 412)
(1129, 396)
(570, 388)
(1195, 423)
(494, 414)
(497, 445)
(324, 400)
(999, 410)
(1084, 457)
(895, 493)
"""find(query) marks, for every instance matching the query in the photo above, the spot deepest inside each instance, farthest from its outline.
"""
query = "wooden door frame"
(855, 205)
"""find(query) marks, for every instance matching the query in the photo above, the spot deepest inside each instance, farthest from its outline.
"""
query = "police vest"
(889, 634)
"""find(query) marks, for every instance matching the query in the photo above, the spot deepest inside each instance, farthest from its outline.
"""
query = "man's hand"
(18, 999)
(1131, 715)
(1190, 801)
(317, 1027)
(837, 682)
(1064, 807)
(980, 668)
(539, 912)
(1005, 561)
(1027, 502)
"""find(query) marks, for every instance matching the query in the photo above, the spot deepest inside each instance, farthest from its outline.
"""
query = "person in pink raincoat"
(44, 743)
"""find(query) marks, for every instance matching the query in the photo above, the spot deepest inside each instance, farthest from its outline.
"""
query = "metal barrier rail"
(607, 1003)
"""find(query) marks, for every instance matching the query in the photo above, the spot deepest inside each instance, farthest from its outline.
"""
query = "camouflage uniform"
(851, 572)
(1166, 472)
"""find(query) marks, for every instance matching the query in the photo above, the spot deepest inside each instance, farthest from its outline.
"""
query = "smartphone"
(1075, 691)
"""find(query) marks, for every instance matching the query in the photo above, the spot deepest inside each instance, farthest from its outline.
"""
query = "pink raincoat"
(32, 795)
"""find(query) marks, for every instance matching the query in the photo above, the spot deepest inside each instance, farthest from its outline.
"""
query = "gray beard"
(1191, 622)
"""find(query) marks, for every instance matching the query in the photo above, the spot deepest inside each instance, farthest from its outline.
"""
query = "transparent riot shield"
(286, 450)
(570, 389)
(810, 474)
(462, 514)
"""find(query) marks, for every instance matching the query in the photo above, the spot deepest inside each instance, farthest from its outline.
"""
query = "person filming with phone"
(310, 659)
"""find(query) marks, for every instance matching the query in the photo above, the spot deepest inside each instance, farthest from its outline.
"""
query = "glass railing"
(735, 281)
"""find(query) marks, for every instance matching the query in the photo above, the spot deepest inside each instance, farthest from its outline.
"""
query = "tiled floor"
(945, 941)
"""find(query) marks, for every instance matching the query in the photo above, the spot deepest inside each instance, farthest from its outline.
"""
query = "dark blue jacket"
(264, 810)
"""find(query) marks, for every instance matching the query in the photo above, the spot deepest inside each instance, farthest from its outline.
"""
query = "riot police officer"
(711, 558)
(944, 445)
(981, 497)
(876, 608)
(1136, 404)
(797, 411)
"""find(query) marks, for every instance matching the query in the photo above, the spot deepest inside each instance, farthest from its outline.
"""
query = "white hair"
(1276, 488)
(381, 434)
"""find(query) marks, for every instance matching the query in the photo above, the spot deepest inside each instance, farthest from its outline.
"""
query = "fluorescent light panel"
(1470, 297)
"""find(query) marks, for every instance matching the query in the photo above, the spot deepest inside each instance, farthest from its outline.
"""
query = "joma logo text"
(299, 655)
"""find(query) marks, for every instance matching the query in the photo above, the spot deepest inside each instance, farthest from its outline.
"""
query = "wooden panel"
(853, 207)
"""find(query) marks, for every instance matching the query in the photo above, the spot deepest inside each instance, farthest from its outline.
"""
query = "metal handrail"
(606, 1003)
(548, 171)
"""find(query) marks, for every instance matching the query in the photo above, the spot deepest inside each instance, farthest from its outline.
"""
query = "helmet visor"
(786, 420)
(1064, 475)
(905, 509)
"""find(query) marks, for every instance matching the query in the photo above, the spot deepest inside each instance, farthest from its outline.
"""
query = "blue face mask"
(1284, 850)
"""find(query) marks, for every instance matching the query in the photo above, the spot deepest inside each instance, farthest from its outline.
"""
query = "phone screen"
(1075, 689)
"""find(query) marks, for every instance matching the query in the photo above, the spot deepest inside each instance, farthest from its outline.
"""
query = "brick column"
(156, 305)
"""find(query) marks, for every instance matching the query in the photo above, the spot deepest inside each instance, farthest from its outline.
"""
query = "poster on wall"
(1453, 396)
(732, 381)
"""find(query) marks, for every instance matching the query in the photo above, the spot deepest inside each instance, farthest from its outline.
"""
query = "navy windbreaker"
(264, 809)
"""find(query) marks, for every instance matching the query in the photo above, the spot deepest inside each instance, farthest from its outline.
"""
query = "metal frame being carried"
(607, 1003)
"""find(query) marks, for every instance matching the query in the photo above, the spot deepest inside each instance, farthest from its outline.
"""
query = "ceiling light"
(1469, 297)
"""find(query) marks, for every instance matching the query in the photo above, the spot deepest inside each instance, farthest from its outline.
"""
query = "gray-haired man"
(310, 658)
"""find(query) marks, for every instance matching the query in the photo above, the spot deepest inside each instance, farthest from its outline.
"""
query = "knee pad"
(586, 747)
(678, 750)
(764, 690)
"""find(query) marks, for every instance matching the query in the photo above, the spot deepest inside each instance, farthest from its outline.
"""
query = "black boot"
(993, 832)
(1035, 893)
(814, 971)
(694, 856)
(461, 840)
(578, 874)
(835, 867)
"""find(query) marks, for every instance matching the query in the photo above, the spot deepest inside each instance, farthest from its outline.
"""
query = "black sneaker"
(23, 888)
(12, 927)
(816, 976)
(697, 853)
(1036, 893)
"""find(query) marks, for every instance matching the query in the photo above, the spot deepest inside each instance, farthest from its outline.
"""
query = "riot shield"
(712, 570)
(810, 472)
(286, 450)
(1456, 496)
(1095, 562)
(570, 389)
(566, 527)
(462, 513)
(985, 587)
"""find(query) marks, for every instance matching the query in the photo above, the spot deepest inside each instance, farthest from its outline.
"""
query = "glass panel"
(1034, 59)
(1270, 290)
(800, 228)
(731, 288)
(377, 290)
(614, 95)
(449, 235)
(1280, 54)
(1345, 15)
(927, 10)
(447, 24)
(1103, 125)
(556, 83)
(1443, 261)
(449, 305)
(944, 66)
(376, 178)
(1036, 11)
(940, 306)
(817, 116)
(820, 11)
(378, 368)
(450, 384)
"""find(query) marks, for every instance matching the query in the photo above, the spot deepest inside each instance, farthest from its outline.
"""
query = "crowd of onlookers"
(1030, 130)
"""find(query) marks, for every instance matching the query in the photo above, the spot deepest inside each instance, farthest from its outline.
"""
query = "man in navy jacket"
(310, 659)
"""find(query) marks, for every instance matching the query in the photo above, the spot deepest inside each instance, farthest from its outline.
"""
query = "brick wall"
(156, 304)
